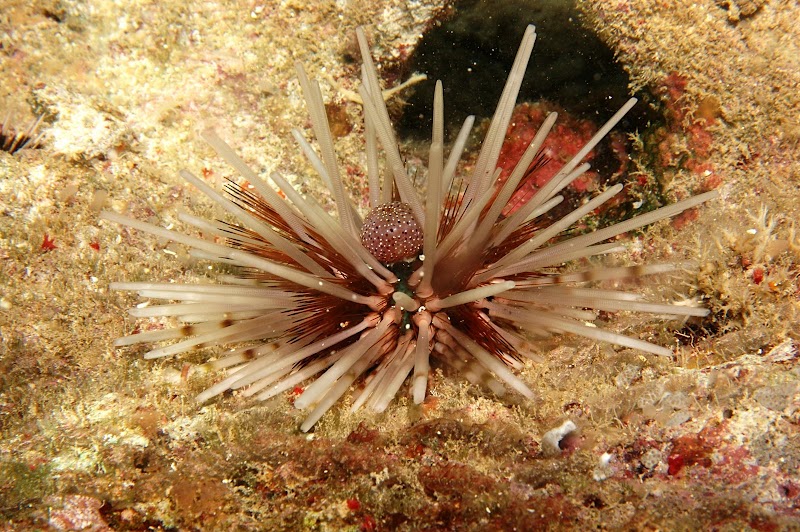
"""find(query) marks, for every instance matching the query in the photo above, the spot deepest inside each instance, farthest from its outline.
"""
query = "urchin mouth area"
(404, 295)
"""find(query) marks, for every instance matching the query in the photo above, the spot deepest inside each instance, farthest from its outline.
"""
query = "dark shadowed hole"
(472, 52)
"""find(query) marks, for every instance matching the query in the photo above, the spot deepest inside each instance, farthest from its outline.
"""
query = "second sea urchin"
(13, 140)
(329, 298)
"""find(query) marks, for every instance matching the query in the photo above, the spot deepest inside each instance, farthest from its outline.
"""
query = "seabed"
(96, 438)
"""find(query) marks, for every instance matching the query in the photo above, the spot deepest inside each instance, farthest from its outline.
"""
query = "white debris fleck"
(603, 469)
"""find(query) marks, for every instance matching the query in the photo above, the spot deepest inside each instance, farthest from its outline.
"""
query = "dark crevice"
(472, 52)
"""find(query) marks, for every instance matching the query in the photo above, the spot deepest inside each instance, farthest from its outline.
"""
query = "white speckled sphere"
(391, 232)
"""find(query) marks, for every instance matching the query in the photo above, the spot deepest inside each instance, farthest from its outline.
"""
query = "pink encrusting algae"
(330, 299)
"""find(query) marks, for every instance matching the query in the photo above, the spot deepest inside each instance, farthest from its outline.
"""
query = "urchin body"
(331, 298)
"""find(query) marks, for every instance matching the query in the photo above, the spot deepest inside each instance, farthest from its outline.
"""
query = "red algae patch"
(566, 138)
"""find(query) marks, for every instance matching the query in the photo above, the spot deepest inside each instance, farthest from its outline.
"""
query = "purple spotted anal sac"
(391, 233)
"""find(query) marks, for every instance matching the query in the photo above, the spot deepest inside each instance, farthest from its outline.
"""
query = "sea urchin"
(341, 298)
(13, 140)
